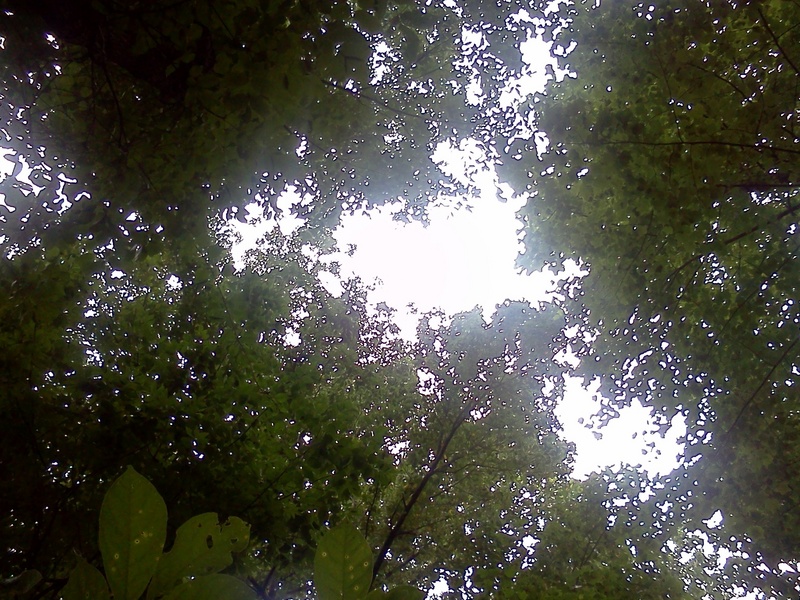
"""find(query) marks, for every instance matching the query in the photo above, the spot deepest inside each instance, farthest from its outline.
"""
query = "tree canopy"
(672, 170)
(662, 156)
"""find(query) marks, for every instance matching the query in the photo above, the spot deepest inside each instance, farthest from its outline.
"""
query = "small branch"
(790, 210)
(291, 464)
(261, 588)
(671, 95)
(752, 186)
(756, 290)
(762, 384)
(222, 22)
(757, 147)
(778, 217)
(708, 72)
(403, 564)
(394, 532)
(376, 101)
(368, 515)
(775, 39)
(589, 549)
(122, 139)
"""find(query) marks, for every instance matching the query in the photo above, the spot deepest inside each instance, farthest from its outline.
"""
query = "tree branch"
(757, 147)
(394, 532)
(775, 39)
(589, 549)
(762, 384)
(721, 78)
(790, 210)
(376, 101)
(368, 515)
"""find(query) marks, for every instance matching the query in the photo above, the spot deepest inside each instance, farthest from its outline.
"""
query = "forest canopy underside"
(664, 155)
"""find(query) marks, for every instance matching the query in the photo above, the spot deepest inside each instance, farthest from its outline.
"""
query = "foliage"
(672, 171)
(133, 521)
(126, 93)
(145, 342)
(608, 562)
(174, 380)
(343, 569)
(138, 130)
(133, 524)
(472, 447)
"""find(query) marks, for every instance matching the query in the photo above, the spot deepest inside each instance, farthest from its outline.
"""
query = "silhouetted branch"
(762, 384)
(758, 147)
(735, 238)
(775, 39)
(396, 529)
(376, 101)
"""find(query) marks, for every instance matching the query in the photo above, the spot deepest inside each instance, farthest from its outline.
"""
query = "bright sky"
(462, 259)
(466, 257)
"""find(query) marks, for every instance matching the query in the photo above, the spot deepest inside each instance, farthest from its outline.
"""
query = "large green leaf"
(212, 587)
(343, 565)
(133, 527)
(202, 547)
(85, 583)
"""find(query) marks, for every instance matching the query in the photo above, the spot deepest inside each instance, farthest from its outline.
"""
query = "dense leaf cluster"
(663, 155)
(672, 170)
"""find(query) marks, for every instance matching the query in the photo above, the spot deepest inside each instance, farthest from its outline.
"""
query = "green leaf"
(20, 585)
(133, 527)
(202, 547)
(343, 565)
(85, 583)
(212, 587)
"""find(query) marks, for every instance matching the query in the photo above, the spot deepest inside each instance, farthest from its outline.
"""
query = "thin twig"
(735, 238)
(762, 384)
(376, 101)
(721, 78)
(757, 147)
(123, 139)
(775, 39)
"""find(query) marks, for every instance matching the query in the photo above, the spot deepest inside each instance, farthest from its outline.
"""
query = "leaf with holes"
(203, 546)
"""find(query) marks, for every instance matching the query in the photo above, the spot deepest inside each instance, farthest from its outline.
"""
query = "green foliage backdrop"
(663, 156)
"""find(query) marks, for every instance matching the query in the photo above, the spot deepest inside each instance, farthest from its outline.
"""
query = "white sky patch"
(462, 259)
(259, 221)
(534, 78)
(631, 439)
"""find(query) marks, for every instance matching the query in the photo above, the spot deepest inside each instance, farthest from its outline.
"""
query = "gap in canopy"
(466, 257)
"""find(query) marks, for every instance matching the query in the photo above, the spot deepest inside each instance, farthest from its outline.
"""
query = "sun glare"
(462, 259)
(465, 256)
